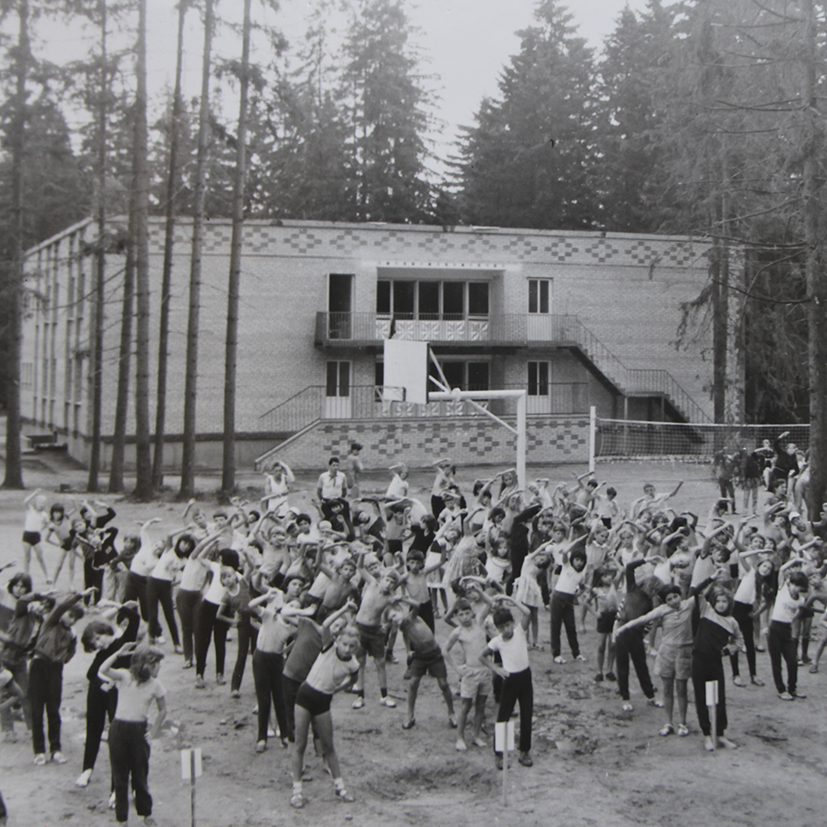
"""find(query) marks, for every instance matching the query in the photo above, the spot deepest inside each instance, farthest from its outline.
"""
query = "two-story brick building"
(577, 318)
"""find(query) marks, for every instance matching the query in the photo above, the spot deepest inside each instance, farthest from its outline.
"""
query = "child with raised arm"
(102, 698)
(377, 595)
(34, 526)
(789, 602)
(55, 646)
(604, 601)
(569, 584)
(276, 631)
(426, 657)
(515, 671)
(474, 680)
(334, 669)
(674, 662)
(129, 738)
(717, 634)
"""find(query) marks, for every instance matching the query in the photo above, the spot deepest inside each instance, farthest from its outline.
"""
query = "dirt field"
(594, 764)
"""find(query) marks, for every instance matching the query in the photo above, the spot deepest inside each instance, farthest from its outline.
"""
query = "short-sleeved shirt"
(514, 651)
(193, 576)
(217, 593)
(135, 699)
(786, 606)
(329, 670)
(144, 562)
(168, 565)
(333, 488)
(570, 580)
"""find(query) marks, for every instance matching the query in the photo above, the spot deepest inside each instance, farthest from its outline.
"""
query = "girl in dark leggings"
(100, 637)
(275, 610)
(789, 602)
(224, 584)
(753, 593)
(717, 634)
(159, 589)
(637, 602)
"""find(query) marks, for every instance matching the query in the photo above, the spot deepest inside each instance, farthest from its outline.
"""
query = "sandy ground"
(594, 764)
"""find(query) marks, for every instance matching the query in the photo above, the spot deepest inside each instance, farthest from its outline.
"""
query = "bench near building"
(577, 318)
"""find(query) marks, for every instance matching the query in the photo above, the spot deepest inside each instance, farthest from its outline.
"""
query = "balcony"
(509, 330)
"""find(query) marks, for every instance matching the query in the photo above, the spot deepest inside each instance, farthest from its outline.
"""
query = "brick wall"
(419, 443)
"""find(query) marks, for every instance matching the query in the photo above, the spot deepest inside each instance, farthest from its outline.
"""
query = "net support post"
(592, 436)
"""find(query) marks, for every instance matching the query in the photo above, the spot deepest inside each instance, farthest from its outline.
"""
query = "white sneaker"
(59, 758)
(112, 801)
(388, 702)
(83, 779)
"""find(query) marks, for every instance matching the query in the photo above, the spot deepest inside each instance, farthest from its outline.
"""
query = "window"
(539, 291)
(538, 378)
(478, 298)
(429, 300)
(467, 376)
(432, 300)
(338, 379)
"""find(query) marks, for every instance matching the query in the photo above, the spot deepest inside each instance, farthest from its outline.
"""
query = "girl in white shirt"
(159, 589)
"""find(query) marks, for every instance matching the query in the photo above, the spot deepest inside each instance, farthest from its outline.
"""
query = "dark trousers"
(135, 589)
(562, 614)
(630, 645)
(742, 612)
(289, 690)
(187, 602)
(160, 591)
(518, 688)
(267, 668)
(703, 670)
(92, 577)
(45, 692)
(247, 636)
(782, 644)
(129, 756)
(207, 625)
(99, 706)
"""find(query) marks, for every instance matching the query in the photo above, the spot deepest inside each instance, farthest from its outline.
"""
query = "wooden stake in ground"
(504, 743)
(712, 706)
(190, 770)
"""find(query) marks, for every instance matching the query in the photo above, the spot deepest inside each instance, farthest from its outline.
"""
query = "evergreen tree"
(527, 162)
(387, 115)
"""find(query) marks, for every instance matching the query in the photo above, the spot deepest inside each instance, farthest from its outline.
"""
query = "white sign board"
(504, 736)
(186, 763)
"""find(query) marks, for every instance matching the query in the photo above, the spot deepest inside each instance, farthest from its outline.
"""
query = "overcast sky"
(465, 43)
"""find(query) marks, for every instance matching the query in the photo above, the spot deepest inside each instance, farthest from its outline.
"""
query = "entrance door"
(539, 401)
(337, 391)
(339, 305)
(538, 325)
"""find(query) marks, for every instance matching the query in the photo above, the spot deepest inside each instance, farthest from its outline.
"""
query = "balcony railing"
(351, 329)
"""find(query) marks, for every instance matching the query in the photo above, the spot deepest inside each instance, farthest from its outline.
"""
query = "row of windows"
(448, 300)
(467, 376)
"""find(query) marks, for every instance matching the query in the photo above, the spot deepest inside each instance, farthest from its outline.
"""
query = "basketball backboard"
(406, 366)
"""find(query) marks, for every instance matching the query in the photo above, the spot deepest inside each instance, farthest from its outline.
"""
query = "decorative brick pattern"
(289, 238)
(468, 440)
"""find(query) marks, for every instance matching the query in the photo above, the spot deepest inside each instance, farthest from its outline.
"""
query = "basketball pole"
(522, 405)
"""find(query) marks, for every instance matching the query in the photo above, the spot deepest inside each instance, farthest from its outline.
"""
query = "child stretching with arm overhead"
(129, 740)
(515, 671)
(426, 656)
(474, 679)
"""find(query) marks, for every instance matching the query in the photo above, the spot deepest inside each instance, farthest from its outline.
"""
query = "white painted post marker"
(190, 770)
(712, 706)
(504, 743)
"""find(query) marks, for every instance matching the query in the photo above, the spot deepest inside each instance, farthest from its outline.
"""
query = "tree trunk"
(14, 464)
(231, 349)
(143, 459)
(124, 360)
(166, 278)
(816, 278)
(100, 269)
(191, 379)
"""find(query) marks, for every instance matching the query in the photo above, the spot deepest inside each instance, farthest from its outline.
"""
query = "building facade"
(576, 318)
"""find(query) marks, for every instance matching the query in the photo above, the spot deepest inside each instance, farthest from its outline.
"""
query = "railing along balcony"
(506, 329)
